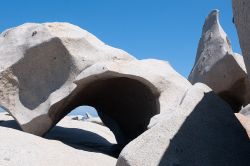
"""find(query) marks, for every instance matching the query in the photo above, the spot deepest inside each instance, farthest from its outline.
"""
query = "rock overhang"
(49, 66)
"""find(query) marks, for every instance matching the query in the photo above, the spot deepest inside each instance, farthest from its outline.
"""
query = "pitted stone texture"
(217, 66)
(202, 131)
(38, 64)
(49, 69)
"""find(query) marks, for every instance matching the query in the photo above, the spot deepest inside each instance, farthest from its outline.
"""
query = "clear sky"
(161, 29)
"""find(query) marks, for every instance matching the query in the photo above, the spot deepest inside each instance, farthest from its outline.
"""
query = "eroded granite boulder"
(218, 67)
(47, 70)
(202, 131)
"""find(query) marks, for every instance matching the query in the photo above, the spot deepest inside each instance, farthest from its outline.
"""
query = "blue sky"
(161, 29)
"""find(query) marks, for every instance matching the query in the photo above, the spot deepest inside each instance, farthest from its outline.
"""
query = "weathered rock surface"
(241, 12)
(202, 131)
(245, 111)
(38, 65)
(47, 70)
(20, 148)
(141, 89)
(245, 121)
(217, 66)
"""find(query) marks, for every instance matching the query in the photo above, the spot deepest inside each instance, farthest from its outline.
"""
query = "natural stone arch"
(45, 67)
(156, 80)
(124, 103)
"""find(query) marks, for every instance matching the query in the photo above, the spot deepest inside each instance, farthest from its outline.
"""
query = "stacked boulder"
(218, 67)
(202, 131)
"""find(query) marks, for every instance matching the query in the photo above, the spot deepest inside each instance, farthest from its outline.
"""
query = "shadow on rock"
(208, 137)
(76, 138)
(10, 124)
(83, 140)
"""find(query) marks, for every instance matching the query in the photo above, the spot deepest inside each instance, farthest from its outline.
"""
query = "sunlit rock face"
(217, 66)
(47, 70)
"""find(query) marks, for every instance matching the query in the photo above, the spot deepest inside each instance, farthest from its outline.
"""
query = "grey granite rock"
(202, 131)
(47, 70)
(218, 67)
(241, 12)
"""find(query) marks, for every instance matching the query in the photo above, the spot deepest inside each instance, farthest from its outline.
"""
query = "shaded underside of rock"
(202, 131)
(39, 63)
(217, 66)
(241, 12)
(124, 90)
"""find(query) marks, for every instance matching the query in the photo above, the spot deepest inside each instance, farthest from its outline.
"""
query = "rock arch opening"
(125, 105)
(82, 129)
(84, 111)
(6, 119)
(1, 109)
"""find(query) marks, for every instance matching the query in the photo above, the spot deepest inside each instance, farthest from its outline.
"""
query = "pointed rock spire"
(213, 42)
(217, 66)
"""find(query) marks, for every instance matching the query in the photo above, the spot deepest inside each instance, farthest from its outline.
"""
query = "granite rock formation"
(47, 70)
(149, 114)
(202, 131)
(218, 67)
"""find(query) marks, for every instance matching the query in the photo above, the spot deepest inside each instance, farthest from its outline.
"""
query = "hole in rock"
(125, 105)
(85, 111)
(83, 129)
(2, 110)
